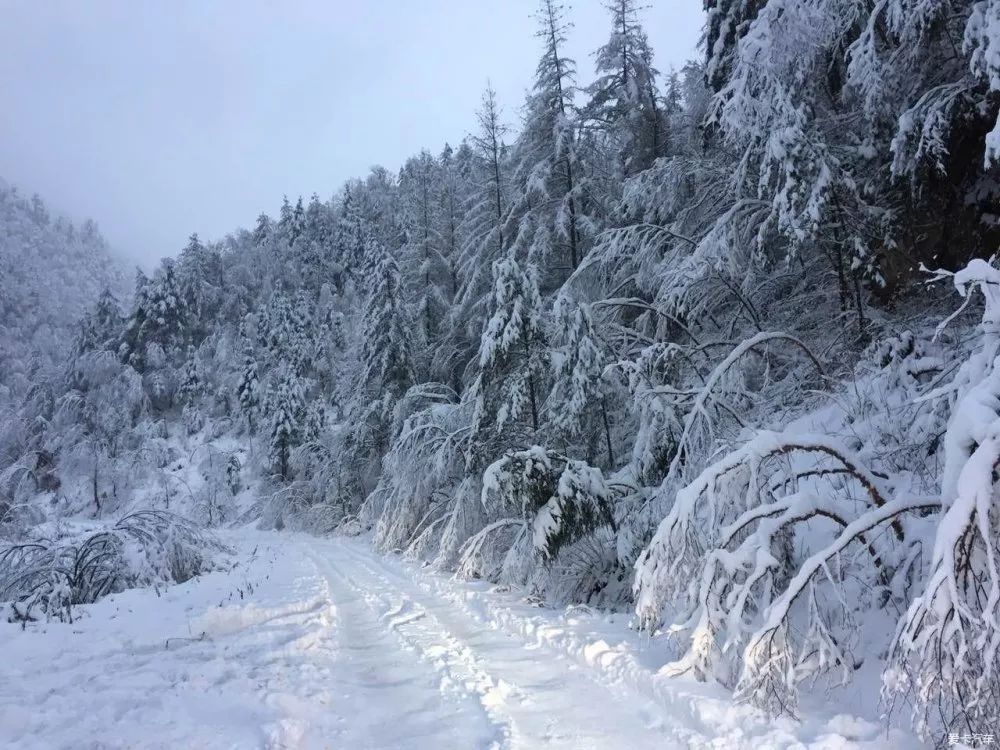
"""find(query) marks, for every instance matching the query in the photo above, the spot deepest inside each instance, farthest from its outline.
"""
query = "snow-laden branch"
(946, 651)
(722, 562)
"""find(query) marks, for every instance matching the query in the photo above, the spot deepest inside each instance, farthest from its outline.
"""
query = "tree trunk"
(531, 389)
(607, 432)
(97, 499)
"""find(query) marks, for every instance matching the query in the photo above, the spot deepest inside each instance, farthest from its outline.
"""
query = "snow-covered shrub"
(420, 472)
(19, 484)
(142, 549)
(723, 564)
(540, 514)
(513, 490)
(946, 652)
(220, 482)
(233, 471)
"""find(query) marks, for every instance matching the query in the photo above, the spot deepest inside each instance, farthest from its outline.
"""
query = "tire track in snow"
(381, 641)
(455, 663)
(539, 697)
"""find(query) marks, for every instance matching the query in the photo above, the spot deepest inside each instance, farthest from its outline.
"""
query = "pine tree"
(728, 21)
(286, 221)
(549, 170)
(248, 389)
(285, 330)
(624, 101)
(313, 421)
(419, 182)
(159, 317)
(286, 410)
(101, 327)
(191, 385)
(314, 248)
(450, 196)
(262, 231)
(490, 148)
(301, 354)
(387, 359)
(481, 231)
(577, 402)
(297, 223)
(199, 278)
(351, 234)
(512, 356)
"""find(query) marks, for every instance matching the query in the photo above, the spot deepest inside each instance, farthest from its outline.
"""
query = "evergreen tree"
(512, 356)
(286, 221)
(262, 231)
(728, 21)
(191, 385)
(548, 166)
(577, 402)
(481, 231)
(297, 223)
(101, 327)
(624, 101)
(351, 234)
(450, 196)
(248, 389)
(419, 183)
(286, 410)
(314, 247)
(159, 317)
(387, 367)
(285, 330)
(199, 276)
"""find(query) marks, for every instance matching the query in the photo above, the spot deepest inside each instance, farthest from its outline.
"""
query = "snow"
(308, 642)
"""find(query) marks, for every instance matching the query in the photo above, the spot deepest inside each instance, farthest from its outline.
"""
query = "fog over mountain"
(162, 119)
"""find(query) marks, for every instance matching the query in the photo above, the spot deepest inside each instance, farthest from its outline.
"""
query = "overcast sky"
(159, 118)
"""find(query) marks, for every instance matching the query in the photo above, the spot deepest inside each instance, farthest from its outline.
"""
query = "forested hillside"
(51, 271)
(669, 344)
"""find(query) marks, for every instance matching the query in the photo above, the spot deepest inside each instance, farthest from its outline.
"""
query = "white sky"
(159, 118)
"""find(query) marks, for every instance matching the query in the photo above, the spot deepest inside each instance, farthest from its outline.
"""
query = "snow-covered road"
(311, 643)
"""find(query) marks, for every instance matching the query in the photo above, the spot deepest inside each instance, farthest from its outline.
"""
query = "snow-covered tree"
(285, 407)
(624, 100)
(419, 184)
(100, 327)
(192, 382)
(577, 403)
(388, 368)
(159, 317)
(482, 225)
(92, 425)
(262, 230)
(512, 355)
(945, 652)
(248, 390)
(548, 169)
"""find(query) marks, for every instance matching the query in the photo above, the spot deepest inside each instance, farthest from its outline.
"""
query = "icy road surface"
(311, 643)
